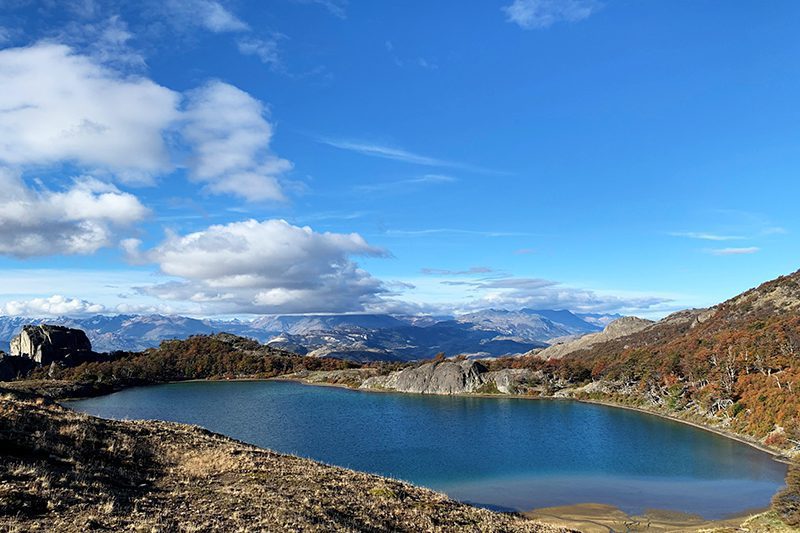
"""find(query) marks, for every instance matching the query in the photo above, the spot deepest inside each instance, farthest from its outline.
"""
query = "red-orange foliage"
(746, 370)
(200, 357)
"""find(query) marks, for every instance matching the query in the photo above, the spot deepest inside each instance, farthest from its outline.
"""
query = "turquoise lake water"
(502, 453)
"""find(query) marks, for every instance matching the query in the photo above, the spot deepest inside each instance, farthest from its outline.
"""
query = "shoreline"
(584, 516)
(777, 455)
(592, 517)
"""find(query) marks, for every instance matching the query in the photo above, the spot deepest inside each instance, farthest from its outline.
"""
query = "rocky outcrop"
(515, 380)
(455, 377)
(45, 344)
(14, 367)
(440, 377)
(617, 329)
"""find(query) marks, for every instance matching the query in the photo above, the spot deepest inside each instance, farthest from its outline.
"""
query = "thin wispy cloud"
(209, 14)
(740, 226)
(734, 251)
(399, 154)
(704, 236)
(538, 14)
(421, 62)
(453, 231)
(337, 8)
(774, 230)
(427, 179)
(447, 272)
(386, 152)
(266, 50)
(334, 215)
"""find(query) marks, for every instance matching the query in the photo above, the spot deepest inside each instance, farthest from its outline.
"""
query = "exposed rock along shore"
(451, 377)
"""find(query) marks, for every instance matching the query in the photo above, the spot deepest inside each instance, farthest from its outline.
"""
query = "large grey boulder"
(440, 377)
(458, 377)
(45, 344)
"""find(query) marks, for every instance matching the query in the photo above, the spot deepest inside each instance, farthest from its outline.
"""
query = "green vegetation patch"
(490, 387)
(383, 492)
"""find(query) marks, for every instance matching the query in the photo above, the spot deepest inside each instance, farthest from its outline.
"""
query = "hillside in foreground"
(65, 471)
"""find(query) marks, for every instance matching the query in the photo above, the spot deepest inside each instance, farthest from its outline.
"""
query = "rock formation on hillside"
(619, 328)
(45, 344)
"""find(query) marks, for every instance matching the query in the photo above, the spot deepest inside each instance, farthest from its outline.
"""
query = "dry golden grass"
(64, 471)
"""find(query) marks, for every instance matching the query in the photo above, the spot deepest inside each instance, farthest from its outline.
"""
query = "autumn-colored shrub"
(787, 501)
(199, 357)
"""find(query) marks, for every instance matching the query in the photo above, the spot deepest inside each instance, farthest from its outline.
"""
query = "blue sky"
(230, 158)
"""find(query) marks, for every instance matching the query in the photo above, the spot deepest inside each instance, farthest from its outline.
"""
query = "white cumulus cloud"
(56, 305)
(266, 266)
(78, 220)
(230, 136)
(58, 106)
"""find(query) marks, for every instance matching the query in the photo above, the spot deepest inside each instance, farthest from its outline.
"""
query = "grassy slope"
(65, 471)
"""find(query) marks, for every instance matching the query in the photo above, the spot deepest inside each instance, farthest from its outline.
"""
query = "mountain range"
(361, 337)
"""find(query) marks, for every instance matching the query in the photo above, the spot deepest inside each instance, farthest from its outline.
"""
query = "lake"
(502, 453)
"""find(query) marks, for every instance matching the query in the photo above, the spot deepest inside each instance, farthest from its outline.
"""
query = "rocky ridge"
(622, 327)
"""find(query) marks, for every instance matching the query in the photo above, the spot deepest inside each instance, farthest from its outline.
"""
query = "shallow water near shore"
(502, 453)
